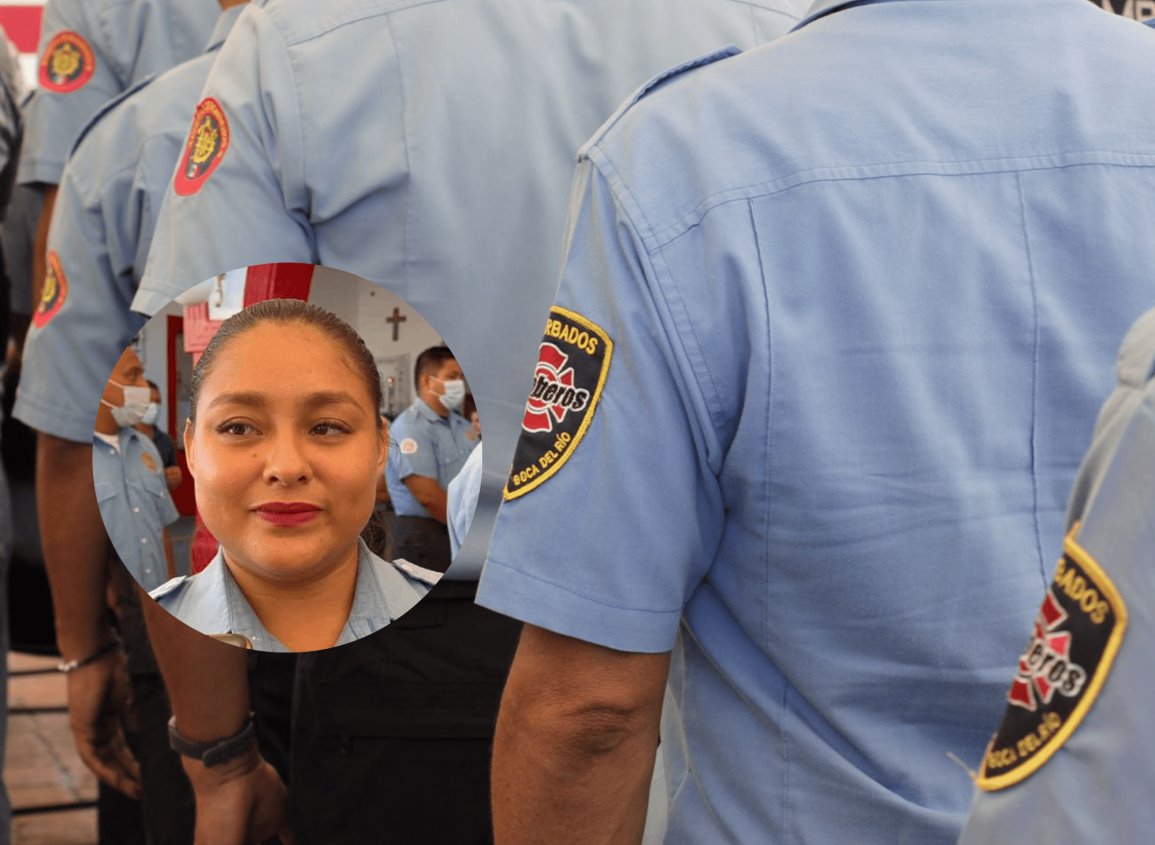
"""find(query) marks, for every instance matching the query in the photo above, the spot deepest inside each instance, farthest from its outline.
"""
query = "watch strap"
(217, 751)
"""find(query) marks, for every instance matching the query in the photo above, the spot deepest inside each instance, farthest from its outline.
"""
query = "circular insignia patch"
(409, 446)
(149, 462)
(54, 293)
(1073, 643)
(572, 364)
(208, 140)
(67, 63)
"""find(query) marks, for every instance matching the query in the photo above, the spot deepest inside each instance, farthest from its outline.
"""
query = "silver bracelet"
(72, 665)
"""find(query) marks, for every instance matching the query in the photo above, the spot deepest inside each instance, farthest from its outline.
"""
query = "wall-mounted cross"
(396, 320)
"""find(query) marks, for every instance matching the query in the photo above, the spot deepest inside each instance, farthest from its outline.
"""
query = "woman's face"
(285, 452)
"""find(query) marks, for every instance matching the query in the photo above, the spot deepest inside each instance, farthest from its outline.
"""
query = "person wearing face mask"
(432, 444)
(160, 438)
(129, 477)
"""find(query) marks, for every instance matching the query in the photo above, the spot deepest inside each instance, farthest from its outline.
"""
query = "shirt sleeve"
(612, 513)
(83, 322)
(462, 499)
(76, 78)
(242, 167)
(416, 455)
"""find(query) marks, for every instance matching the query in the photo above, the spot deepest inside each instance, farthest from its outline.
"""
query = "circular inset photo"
(286, 457)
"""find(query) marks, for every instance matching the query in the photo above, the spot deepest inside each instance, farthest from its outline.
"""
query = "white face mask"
(151, 413)
(136, 402)
(454, 393)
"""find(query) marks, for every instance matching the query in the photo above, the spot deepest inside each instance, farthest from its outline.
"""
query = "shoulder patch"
(208, 140)
(408, 446)
(571, 370)
(54, 294)
(655, 83)
(67, 64)
(418, 573)
(1074, 641)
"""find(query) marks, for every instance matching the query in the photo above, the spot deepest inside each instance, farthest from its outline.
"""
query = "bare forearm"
(76, 546)
(429, 494)
(574, 751)
(206, 680)
(40, 250)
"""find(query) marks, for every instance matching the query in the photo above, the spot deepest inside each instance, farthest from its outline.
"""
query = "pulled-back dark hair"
(283, 312)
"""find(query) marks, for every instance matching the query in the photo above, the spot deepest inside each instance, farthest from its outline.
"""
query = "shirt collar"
(223, 26)
(370, 611)
(427, 413)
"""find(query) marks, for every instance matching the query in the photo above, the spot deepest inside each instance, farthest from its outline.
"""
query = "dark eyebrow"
(312, 400)
(330, 397)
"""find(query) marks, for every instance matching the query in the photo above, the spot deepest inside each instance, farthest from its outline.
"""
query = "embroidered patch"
(149, 462)
(54, 293)
(572, 364)
(409, 446)
(206, 145)
(1075, 638)
(67, 63)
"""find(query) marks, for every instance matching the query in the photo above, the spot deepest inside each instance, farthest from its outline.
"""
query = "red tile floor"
(41, 767)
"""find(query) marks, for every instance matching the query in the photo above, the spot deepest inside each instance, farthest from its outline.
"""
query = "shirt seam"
(1034, 375)
(886, 170)
(631, 208)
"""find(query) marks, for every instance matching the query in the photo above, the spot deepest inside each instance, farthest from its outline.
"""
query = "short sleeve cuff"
(522, 596)
(33, 170)
(155, 298)
(59, 422)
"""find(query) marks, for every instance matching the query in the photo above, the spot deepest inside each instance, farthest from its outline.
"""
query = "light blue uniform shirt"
(1096, 786)
(102, 225)
(454, 195)
(864, 287)
(129, 40)
(461, 499)
(134, 503)
(212, 603)
(423, 443)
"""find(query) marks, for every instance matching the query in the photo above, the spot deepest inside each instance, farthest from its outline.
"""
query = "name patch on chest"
(572, 364)
(1074, 640)
(208, 140)
(67, 64)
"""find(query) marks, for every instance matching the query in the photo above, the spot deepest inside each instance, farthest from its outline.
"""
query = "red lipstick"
(287, 514)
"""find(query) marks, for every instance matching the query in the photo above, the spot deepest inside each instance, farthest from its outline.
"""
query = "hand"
(241, 802)
(98, 696)
(172, 477)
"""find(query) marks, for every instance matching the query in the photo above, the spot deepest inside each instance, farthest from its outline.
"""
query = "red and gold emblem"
(54, 293)
(67, 63)
(208, 140)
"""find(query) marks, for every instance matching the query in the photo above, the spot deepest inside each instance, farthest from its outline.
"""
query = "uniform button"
(144, 540)
(136, 510)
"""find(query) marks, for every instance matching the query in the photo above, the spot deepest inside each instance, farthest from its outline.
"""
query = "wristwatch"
(217, 751)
